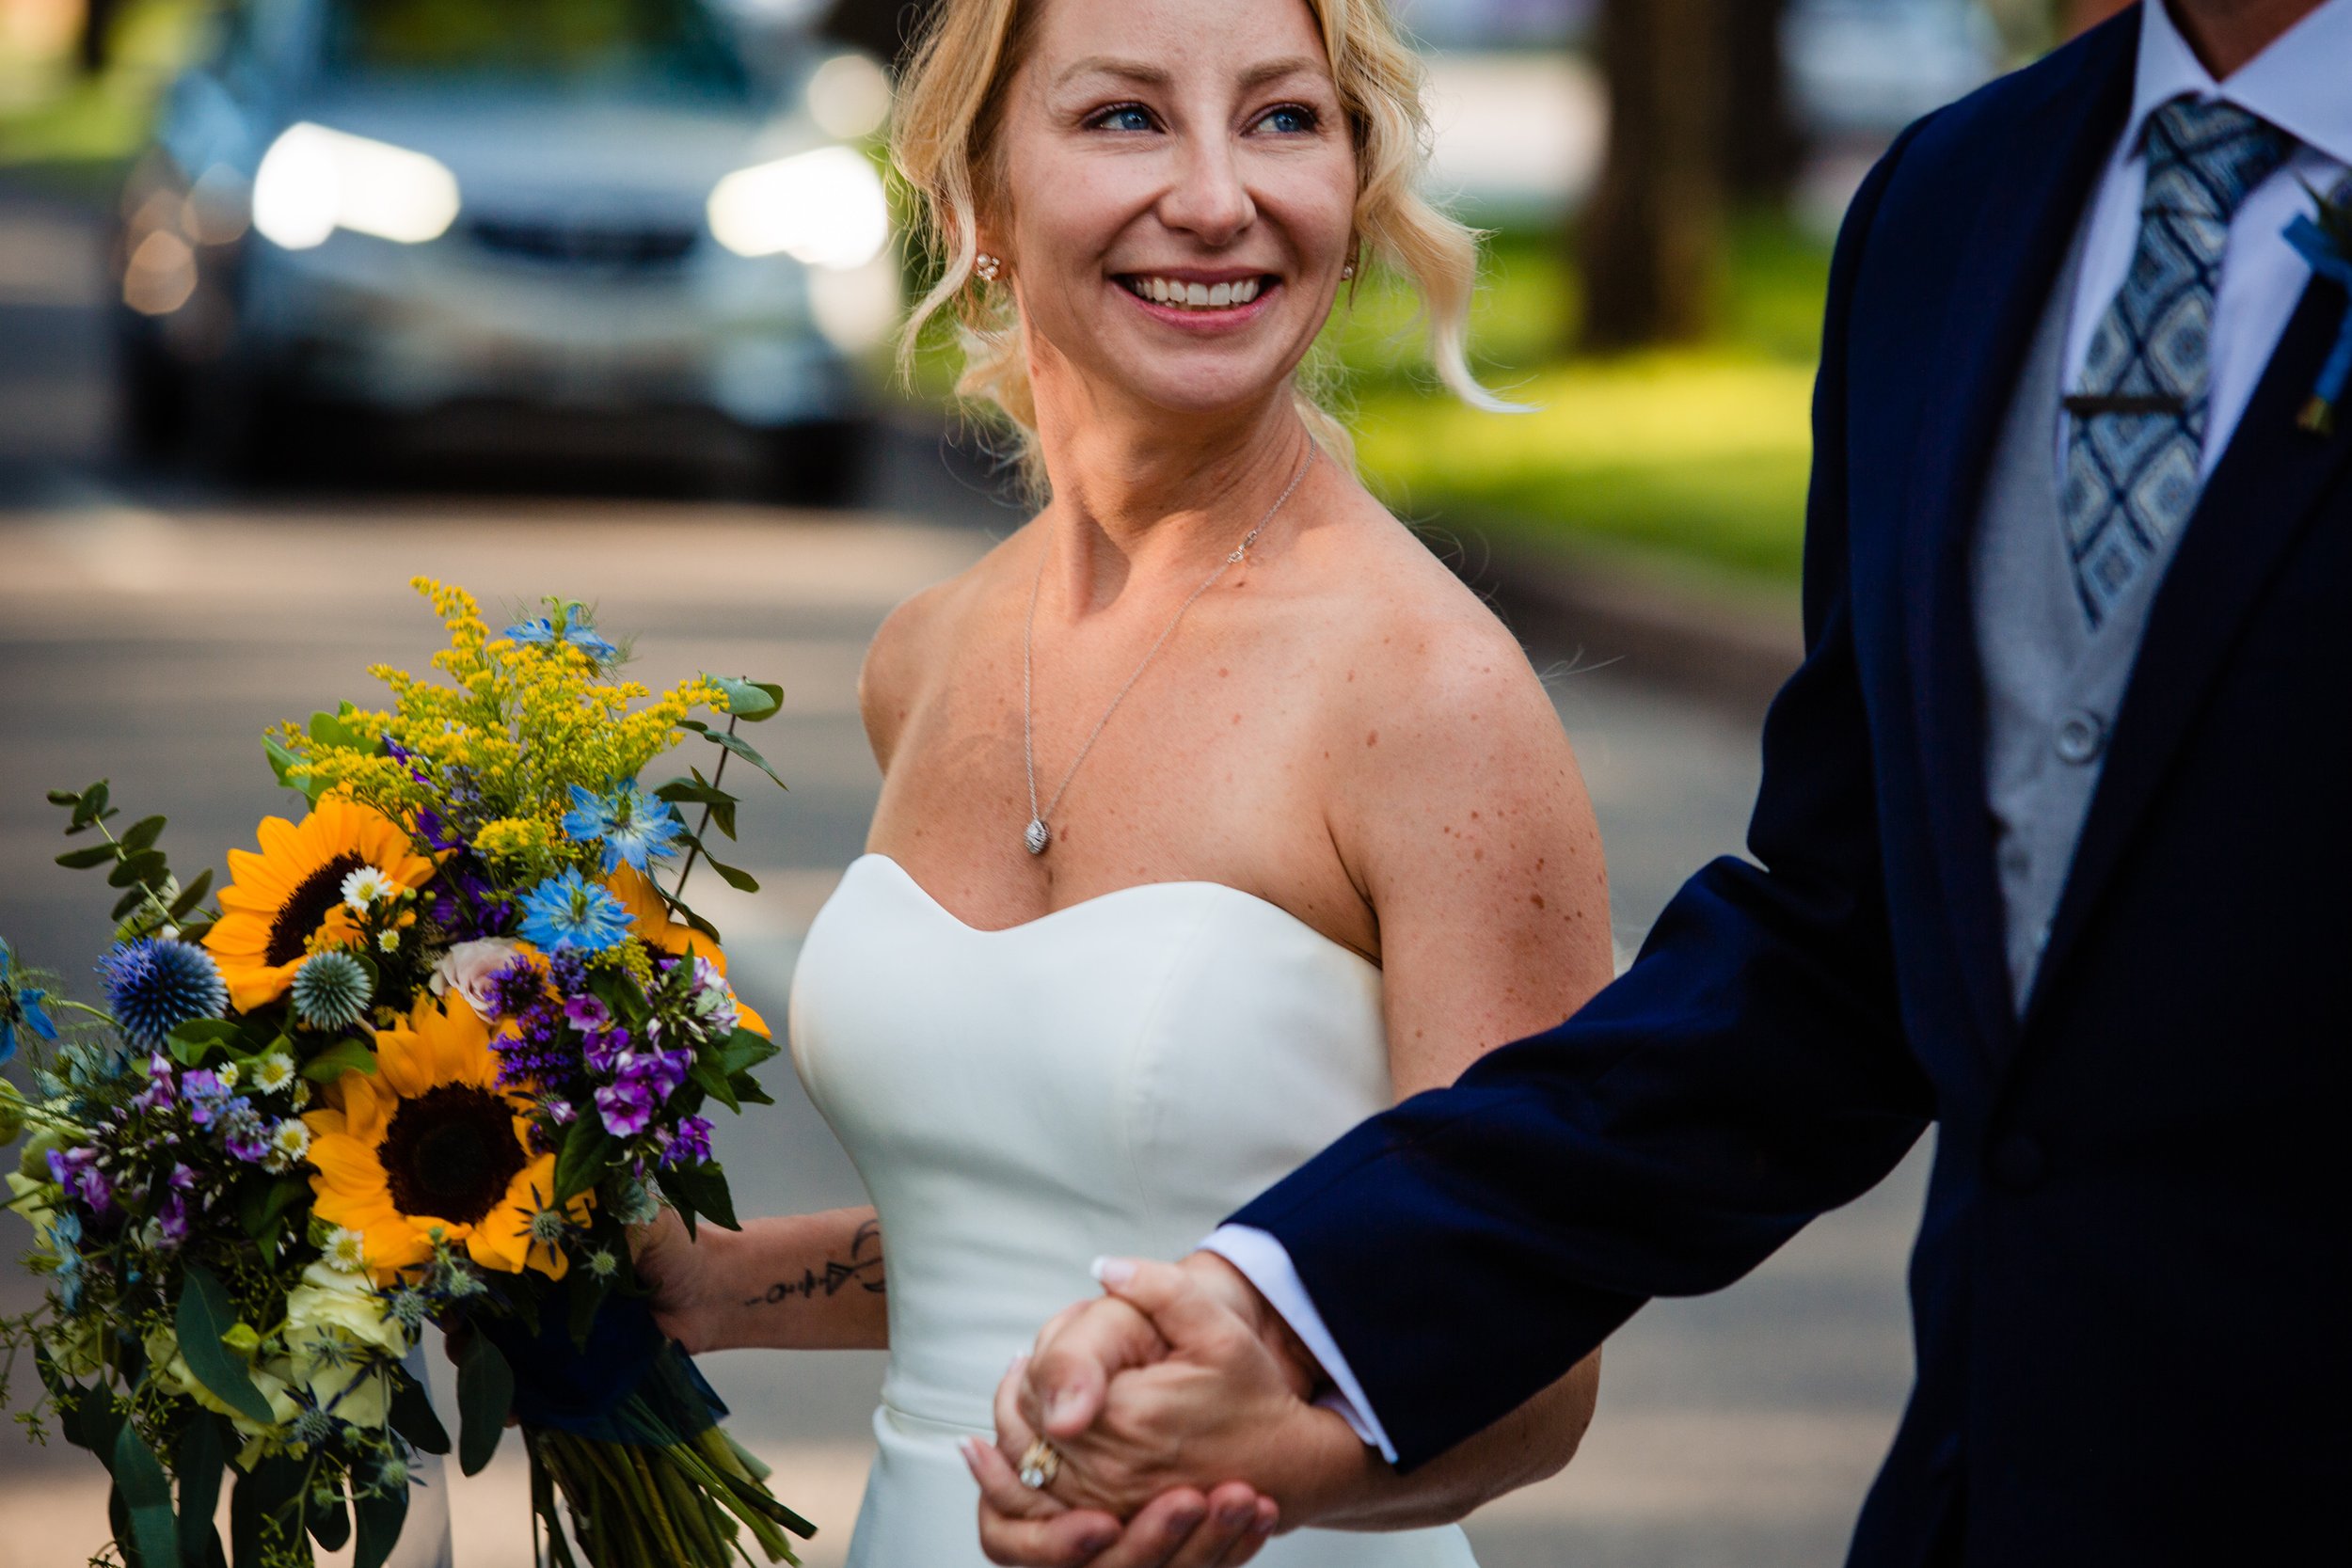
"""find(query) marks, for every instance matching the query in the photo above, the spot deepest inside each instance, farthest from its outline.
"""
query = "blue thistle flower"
(570, 911)
(156, 985)
(634, 826)
(331, 991)
(20, 1004)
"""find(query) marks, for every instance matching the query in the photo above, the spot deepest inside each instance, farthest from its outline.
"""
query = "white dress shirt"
(2302, 83)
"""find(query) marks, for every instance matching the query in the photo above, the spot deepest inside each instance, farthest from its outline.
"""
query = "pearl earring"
(1347, 272)
(987, 266)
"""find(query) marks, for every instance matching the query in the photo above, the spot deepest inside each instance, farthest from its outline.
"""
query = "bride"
(1215, 813)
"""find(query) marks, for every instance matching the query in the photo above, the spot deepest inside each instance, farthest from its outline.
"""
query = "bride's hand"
(679, 1268)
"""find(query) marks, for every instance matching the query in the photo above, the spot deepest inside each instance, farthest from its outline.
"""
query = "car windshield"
(670, 47)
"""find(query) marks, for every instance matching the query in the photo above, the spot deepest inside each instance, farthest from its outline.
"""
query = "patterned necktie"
(2137, 430)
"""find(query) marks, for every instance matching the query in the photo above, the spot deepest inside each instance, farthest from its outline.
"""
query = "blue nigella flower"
(570, 911)
(65, 1237)
(156, 986)
(20, 1004)
(635, 827)
(574, 628)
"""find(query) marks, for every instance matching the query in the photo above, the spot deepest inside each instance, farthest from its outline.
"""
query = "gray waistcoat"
(2052, 687)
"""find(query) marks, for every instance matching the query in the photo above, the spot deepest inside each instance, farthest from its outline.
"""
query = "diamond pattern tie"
(2137, 430)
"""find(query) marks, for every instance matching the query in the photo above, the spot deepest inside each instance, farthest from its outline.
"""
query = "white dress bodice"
(1111, 1079)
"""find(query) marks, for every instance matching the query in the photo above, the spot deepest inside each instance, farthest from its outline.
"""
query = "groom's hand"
(1181, 1381)
(1204, 1298)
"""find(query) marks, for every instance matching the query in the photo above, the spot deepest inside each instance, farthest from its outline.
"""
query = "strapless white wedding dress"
(1114, 1078)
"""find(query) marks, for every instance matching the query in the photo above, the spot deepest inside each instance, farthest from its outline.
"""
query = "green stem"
(716, 774)
(691, 1508)
(656, 1506)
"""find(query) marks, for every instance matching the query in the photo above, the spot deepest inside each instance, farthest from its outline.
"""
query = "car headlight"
(313, 180)
(825, 208)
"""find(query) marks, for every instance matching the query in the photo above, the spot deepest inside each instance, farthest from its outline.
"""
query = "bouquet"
(426, 1057)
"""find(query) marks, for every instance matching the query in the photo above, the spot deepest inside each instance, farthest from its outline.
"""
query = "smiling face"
(1179, 192)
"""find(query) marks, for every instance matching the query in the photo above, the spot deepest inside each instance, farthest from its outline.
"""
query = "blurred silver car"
(402, 205)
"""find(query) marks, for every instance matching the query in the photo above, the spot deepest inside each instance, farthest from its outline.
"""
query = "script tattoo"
(863, 1268)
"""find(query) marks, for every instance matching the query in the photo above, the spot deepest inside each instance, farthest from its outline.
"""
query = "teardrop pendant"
(1038, 837)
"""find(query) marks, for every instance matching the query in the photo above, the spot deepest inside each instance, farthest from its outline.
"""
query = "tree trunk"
(1649, 235)
(1758, 141)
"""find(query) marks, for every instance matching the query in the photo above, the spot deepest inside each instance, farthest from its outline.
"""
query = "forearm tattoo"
(862, 1269)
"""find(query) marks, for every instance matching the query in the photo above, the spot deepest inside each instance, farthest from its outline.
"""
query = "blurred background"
(300, 297)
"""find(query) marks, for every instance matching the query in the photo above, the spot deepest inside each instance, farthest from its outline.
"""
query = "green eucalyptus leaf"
(704, 1182)
(206, 1314)
(715, 1084)
(197, 1463)
(745, 1048)
(146, 1497)
(380, 1517)
(142, 834)
(485, 1395)
(748, 700)
(742, 748)
(88, 856)
(329, 1523)
(191, 896)
(64, 798)
(587, 1150)
(414, 1418)
(147, 869)
(339, 1058)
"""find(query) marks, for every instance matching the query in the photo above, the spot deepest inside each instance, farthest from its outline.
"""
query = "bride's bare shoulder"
(912, 646)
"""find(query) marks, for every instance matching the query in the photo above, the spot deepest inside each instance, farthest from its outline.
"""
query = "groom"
(2055, 851)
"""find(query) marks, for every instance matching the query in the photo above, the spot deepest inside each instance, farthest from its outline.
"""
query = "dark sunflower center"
(305, 908)
(449, 1153)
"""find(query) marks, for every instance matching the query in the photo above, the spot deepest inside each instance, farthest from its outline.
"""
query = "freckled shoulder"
(911, 651)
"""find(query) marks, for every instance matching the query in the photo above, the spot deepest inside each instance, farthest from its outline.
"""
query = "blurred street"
(150, 629)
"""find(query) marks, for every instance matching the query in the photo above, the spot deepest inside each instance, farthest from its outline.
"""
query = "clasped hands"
(1181, 1406)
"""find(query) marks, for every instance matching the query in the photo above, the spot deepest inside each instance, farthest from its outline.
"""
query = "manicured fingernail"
(1097, 1540)
(1185, 1521)
(1060, 1401)
(1234, 1515)
(969, 1448)
(1111, 1273)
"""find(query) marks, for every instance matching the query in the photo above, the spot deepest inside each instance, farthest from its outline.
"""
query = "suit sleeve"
(1748, 1074)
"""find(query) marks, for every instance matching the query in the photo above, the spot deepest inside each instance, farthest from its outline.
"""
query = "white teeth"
(1196, 296)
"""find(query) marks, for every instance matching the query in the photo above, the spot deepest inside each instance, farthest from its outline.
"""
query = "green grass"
(1697, 454)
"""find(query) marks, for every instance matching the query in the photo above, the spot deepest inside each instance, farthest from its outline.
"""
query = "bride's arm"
(792, 1282)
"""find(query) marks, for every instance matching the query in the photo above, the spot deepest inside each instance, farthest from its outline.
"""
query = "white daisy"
(346, 1251)
(388, 942)
(289, 1143)
(367, 886)
(227, 1073)
(273, 1072)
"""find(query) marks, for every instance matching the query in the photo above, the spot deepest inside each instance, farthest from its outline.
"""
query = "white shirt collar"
(2297, 84)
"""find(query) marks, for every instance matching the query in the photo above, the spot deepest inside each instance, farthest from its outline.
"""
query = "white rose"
(467, 968)
(338, 1342)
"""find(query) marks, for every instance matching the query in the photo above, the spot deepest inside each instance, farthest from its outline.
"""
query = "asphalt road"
(152, 625)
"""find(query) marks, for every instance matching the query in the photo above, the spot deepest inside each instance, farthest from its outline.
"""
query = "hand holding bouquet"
(443, 1041)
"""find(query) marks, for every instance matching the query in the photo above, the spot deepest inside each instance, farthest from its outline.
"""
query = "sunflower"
(650, 921)
(293, 892)
(430, 1143)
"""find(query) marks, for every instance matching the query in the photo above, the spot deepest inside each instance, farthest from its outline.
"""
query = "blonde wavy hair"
(945, 141)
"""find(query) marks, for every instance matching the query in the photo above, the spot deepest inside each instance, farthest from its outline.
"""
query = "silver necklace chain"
(1040, 836)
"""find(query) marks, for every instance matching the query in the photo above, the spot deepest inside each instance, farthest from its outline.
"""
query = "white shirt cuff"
(1267, 1264)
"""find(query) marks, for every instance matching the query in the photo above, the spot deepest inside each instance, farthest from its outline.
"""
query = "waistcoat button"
(2081, 736)
(2018, 1163)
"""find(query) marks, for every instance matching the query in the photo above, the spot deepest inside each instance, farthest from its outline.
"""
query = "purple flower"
(171, 1222)
(692, 1142)
(515, 988)
(206, 1095)
(568, 971)
(604, 1050)
(163, 1087)
(588, 1012)
(625, 1107)
(76, 1170)
(243, 1134)
(537, 1051)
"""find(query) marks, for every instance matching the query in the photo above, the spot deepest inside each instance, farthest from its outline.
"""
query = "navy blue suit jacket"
(2131, 1313)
